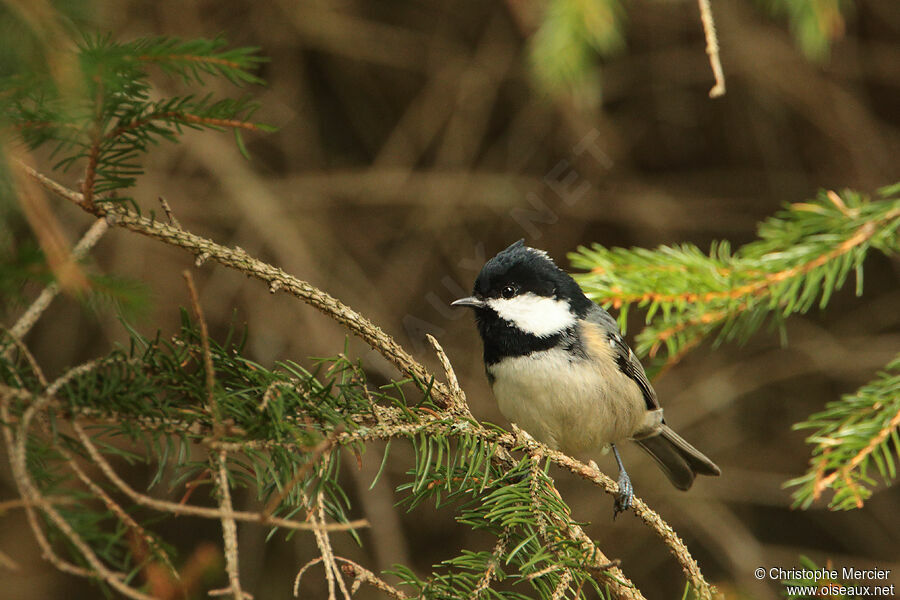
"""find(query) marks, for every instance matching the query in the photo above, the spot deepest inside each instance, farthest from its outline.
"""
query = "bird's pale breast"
(569, 403)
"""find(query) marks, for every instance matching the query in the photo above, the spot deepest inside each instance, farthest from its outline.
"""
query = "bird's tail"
(680, 461)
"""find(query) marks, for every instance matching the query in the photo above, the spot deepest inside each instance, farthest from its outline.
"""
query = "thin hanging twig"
(712, 48)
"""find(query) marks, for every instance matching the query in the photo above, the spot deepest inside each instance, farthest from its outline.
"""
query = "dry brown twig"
(196, 511)
(362, 575)
(29, 491)
(316, 514)
(211, 405)
(445, 396)
(117, 510)
(217, 459)
(229, 527)
(24, 324)
(332, 573)
(712, 48)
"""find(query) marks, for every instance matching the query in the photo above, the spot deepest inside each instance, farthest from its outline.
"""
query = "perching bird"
(561, 370)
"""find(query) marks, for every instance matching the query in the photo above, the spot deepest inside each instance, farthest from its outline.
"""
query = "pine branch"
(112, 122)
(275, 278)
(803, 256)
(190, 59)
(279, 432)
(852, 436)
(476, 465)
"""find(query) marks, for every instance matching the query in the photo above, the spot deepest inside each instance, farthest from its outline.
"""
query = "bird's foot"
(625, 494)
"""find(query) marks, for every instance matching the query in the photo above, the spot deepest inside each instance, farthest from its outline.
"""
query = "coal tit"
(561, 370)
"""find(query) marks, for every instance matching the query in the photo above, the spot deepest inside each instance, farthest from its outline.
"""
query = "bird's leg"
(626, 491)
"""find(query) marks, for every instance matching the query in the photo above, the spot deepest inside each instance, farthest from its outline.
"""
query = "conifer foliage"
(102, 117)
(206, 419)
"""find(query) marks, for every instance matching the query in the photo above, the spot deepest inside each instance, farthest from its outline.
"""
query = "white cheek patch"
(537, 315)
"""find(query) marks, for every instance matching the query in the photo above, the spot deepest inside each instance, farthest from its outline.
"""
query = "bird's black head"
(523, 302)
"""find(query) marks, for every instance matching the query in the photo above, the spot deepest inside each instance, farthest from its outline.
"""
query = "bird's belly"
(566, 402)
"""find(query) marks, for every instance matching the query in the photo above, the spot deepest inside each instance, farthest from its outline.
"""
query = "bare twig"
(7, 562)
(712, 48)
(459, 397)
(169, 214)
(332, 573)
(676, 546)
(362, 575)
(48, 230)
(198, 511)
(28, 490)
(21, 503)
(211, 405)
(302, 572)
(229, 527)
(117, 510)
(71, 374)
(36, 309)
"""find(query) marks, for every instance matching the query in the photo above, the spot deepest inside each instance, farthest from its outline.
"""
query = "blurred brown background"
(412, 145)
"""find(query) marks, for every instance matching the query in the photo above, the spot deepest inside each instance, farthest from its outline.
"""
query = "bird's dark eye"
(508, 291)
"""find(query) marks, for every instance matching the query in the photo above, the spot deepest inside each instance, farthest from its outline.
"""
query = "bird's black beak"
(470, 301)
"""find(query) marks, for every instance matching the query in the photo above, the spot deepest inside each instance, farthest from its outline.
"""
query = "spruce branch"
(191, 59)
(431, 428)
(111, 121)
(274, 277)
(804, 254)
(853, 435)
(197, 511)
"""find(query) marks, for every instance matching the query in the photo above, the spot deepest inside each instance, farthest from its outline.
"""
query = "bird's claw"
(624, 496)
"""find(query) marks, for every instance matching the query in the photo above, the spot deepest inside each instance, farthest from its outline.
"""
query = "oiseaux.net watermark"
(844, 582)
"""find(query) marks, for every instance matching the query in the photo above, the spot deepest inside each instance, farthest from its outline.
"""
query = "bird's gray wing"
(625, 358)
